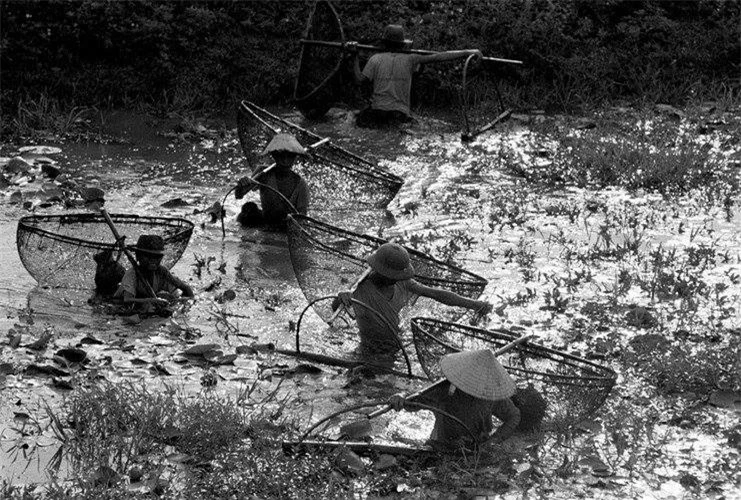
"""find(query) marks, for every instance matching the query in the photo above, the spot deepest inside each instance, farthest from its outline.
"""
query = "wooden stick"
(354, 287)
(376, 48)
(126, 251)
(432, 387)
(471, 135)
(360, 447)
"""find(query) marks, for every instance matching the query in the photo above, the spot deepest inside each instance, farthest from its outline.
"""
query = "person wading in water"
(284, 148)
(390, 75)
(150, 249)
(477, 388)
(387, 289)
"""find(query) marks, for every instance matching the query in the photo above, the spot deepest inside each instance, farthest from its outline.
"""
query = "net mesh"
(59, 250)
(328, 260)
(480, 102)
(573, 387)
(317, 82)
(336, 177)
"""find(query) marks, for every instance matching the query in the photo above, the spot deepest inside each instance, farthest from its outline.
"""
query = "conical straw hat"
(284, 142)
(479, 374)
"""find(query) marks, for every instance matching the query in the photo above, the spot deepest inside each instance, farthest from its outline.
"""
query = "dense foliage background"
(201, 55)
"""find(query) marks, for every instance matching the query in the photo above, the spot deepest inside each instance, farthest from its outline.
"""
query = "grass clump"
(46, 116)
(677, 367)
(654, 155)
(112, 424)
(262, 470)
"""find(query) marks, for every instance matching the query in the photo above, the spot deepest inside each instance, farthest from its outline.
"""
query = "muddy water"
(451, 191)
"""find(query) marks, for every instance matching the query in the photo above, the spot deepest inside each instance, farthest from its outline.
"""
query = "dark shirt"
(474, 412)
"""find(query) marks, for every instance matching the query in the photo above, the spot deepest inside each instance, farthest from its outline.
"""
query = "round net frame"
(480, 103)
(318, 76)
(328, 260)
(573, 387)
(59, 250)
(337, 178)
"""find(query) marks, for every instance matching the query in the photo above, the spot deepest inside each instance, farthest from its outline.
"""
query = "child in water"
(284, 148)
(387, 289)
(149, 252)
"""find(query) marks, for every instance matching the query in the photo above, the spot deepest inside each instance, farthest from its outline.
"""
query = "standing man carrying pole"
(390, 74)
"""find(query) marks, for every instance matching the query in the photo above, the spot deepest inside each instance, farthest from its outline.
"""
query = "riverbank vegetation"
(201, 57)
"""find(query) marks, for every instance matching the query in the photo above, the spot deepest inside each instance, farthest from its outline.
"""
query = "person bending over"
(477, 388)
(387, 289)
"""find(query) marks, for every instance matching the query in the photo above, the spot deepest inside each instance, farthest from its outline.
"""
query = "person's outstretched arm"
(449, 298)
(447, 56)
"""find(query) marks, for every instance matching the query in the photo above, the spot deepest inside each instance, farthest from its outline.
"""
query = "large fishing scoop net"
(336, 177)
(317, 83)
(328, 260)
(61, 250)
(572, 387)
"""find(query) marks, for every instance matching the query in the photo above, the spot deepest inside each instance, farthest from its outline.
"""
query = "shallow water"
(452, 192)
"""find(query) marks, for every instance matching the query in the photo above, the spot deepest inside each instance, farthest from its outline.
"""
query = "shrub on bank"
(203, 55)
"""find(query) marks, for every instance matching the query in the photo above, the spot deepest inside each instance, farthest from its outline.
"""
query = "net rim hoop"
(337, 67)
(373, 170)
(25, 224)
(609, 373)
(328, 228)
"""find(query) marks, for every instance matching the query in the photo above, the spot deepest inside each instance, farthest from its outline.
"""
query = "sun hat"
(284, 142)
(392, 261)
(479, 374)
(150, 244)
(394, 34)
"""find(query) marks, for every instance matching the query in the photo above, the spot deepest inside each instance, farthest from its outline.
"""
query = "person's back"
(391, 74)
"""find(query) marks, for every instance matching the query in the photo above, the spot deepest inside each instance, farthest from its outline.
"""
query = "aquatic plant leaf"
(89, 339)
(42, 341)
(60, 383)
(175, 203)
(226, 359)
(726, 399)
(200, 349)
(15, 340)
(72, 355)
(35, 369)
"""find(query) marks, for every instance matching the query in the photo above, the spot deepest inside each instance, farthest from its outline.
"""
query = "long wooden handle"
(126, 251)
(408, 51)
(352, 289)
(435, 385)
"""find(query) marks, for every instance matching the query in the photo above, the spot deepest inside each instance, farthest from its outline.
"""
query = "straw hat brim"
(479, 374)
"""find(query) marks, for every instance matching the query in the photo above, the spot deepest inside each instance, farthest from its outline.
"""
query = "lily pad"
(726, 399)
(201, 349)
(72, 355)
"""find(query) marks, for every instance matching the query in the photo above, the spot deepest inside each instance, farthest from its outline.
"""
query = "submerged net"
(336, 177)
(328, 260)
(60, 250)
(317, 79)
(573, 387)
